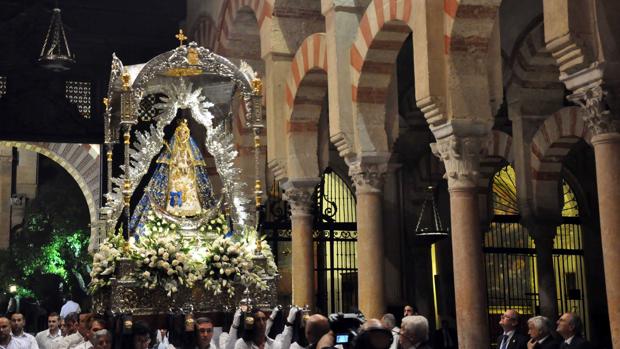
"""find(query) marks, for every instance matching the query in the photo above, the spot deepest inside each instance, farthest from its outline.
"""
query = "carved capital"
(461, 158)
(368, 177)
(300, 200)
(597, 116)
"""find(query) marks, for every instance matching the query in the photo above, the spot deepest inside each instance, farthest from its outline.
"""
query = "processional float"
(182, 246)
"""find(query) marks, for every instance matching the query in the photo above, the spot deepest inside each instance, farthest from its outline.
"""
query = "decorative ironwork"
(146, 108)
(2, 86)
(78, 93)
(335, 240)
(510, 257)
(570, 207)
(505, 192)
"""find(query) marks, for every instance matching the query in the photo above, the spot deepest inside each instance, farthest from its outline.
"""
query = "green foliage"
(52, 240)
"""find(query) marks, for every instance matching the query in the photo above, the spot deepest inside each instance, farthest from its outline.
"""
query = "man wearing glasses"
(510, 339)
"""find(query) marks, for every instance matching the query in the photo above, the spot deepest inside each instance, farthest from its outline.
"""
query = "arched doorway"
(510, 257)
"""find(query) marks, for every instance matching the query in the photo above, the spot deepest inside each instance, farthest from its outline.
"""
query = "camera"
(345, 327)
(349, 333)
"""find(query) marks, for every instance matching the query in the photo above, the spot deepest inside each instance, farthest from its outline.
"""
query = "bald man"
(317, 326)
(511, 339)
(6, 340)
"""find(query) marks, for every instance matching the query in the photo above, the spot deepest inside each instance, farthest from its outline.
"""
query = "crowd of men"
(254, 329)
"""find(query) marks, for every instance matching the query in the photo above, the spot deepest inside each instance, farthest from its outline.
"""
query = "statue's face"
(183, 134)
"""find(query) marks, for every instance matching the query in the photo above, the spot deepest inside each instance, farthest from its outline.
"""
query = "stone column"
(6, 159)
(547, 295)
(461, 157)
(299, 197)
(369, 179)
(605, 128)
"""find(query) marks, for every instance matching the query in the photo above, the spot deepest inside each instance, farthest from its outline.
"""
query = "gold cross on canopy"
(181, 37)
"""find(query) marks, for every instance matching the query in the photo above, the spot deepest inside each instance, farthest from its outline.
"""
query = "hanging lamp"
(55, 54)
(429, 228)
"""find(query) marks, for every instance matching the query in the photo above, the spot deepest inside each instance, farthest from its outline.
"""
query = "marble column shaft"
(300, 201)
(461, 157)
(607, 155)
(369, 180)
(604, 125)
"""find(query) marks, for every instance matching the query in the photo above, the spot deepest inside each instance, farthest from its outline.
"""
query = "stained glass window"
(505, 192)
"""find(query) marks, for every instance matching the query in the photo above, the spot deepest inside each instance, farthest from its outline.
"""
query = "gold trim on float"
(179, 72)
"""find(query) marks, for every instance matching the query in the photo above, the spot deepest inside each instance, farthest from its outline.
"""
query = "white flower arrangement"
(163, 257)
(227, 263)
(104, 261)
(166, 259)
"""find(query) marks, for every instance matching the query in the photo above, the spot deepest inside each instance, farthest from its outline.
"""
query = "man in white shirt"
(72, 335)
(6, 340)
(510, 338)
(47, 338)
(389, 321)
(95, 325)
(23, 339)
(69, 307)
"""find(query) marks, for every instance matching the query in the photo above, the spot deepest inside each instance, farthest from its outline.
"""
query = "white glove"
(274, 312)
(291, 314)
(237, 318)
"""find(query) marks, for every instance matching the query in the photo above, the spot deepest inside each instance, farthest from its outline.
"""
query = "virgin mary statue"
(180, 186)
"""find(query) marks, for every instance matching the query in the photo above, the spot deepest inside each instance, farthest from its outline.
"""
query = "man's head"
(389, 321)
(96, 324)
(5, 329)
(84, 325)
(538, 327)
(53, 322)
(71, 324)
(509, 320)
(316, 326)
(409, 310)
(569, 325)
(102, 339)
(204, 331)
(17, 323)
(374, 335)
(413, 330)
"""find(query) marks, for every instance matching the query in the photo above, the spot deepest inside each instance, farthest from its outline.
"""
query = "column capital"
(298, 194)
(368, 177)
(597, 116)
(461, 157)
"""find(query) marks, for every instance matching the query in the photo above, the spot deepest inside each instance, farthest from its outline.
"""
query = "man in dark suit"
(570, 328)
(510, 339)
(539, 329)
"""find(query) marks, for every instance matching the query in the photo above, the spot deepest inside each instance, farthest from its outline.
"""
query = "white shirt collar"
(543, 339)
(50, 335)
(569, 340)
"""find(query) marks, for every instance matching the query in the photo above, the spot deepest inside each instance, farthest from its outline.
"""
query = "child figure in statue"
(179, 186)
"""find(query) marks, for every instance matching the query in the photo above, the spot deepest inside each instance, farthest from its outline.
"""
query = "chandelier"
(55, 54)
(429, 228)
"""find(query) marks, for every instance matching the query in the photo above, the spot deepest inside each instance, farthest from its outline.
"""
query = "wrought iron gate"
(510, 258)
(335, 240)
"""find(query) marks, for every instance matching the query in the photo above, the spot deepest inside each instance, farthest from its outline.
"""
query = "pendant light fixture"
(55, 54)
(429, 228)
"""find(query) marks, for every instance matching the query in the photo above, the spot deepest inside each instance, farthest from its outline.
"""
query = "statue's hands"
(291, 314)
